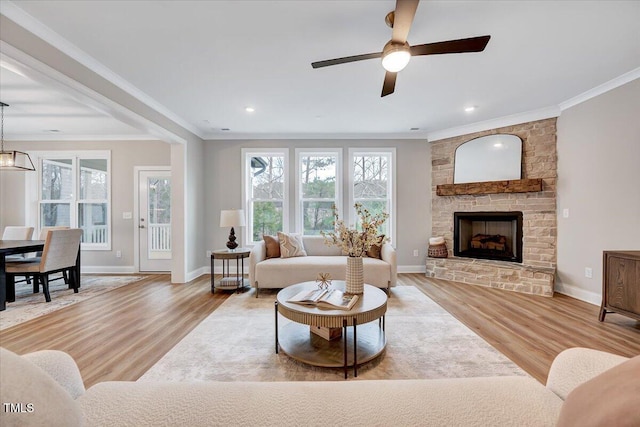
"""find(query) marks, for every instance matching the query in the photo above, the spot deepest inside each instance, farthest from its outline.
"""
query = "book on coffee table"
(325, 298)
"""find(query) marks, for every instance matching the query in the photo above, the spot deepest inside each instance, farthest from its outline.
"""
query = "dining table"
(13, 247)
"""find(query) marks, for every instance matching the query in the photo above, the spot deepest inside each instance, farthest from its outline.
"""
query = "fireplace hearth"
(488, 235)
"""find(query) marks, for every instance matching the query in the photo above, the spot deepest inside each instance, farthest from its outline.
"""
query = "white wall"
(413, 174)
(599, 182)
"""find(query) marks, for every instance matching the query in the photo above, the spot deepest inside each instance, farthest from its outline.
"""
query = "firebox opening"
(488, 235)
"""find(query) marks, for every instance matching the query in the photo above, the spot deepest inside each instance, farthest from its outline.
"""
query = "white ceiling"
(39, 110)
(202, 62)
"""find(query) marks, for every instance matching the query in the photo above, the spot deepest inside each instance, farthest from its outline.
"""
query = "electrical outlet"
(118, 254)
(416, 252)
(208, 254)
(127, 215)
(588, 272)
(565, 213)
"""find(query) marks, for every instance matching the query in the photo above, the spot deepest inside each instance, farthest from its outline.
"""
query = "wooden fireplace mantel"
(490, 187)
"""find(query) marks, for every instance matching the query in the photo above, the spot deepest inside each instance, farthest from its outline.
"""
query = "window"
(56, 194)
(74, 191)
(318, 186)
(372, 173)
(266, 191)
(320, 180)
(93, 204)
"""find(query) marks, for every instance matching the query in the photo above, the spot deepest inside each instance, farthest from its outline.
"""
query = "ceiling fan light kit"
(395, 56)
(397, 52)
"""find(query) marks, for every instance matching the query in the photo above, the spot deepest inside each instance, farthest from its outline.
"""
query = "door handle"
(141, 226)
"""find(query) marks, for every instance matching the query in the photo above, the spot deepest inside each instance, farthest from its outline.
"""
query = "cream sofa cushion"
(282, 272)
(496, 401)
(39, 399)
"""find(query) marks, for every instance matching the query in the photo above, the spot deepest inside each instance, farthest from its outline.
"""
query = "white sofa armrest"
(575, 366)
(61, 367)
(388, 254)
(258, 254)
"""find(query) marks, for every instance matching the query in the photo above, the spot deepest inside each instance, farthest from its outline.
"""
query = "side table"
(228, 281)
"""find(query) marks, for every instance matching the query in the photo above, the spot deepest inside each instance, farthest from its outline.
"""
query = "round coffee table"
(364, 341)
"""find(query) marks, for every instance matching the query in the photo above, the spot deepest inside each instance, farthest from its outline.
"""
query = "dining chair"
(59, 254)
(43, 236)
(13, 232)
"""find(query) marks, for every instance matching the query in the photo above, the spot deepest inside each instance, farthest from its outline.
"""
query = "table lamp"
(232, 218)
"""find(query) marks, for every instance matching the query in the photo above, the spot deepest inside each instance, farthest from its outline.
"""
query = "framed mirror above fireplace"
(488, 158)
(488, 235)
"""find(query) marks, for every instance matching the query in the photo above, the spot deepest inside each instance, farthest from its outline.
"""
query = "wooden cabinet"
(621, 283)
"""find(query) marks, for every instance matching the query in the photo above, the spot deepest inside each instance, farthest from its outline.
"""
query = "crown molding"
(514, 119)
(599, 90)
(83, 138)
(228, 136)
(22, 18)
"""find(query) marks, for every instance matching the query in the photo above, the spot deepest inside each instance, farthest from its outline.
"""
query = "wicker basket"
(438, 251)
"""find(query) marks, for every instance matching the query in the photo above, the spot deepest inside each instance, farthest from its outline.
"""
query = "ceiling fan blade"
(389, 84)
(402, 19)
(473, 44)
(346, 59)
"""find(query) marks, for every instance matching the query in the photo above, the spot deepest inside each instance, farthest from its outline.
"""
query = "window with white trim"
(318, 184)
(74, 191)
(372, 176)
(266, 183)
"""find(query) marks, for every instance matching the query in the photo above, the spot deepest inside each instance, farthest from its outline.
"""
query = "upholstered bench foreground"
(585, 387)
(280, 272)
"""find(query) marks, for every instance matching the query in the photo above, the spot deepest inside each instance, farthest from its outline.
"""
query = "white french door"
(154, 220)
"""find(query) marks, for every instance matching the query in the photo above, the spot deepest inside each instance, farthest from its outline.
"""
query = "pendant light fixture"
(12, 160)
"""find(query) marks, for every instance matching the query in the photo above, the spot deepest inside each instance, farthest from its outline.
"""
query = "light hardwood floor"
(119, 335)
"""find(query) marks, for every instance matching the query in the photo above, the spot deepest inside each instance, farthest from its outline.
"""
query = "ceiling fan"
(397, 52)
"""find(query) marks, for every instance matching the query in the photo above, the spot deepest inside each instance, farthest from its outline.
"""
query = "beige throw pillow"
(291, 245)
(610, 399)
(272, 245)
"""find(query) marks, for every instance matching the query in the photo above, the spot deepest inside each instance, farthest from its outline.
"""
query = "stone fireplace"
(531, 265)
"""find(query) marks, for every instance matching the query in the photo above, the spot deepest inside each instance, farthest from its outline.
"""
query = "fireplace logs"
(489, 242)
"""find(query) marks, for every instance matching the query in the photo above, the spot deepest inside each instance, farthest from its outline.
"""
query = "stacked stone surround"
(536, 274)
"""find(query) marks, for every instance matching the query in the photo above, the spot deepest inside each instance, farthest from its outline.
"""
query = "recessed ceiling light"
(470, 108)
(52, 130)
(414, 129)
(249, 109)
(225, 129)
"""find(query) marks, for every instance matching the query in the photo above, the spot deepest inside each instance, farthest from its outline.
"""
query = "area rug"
(28, 305)
(236, 343)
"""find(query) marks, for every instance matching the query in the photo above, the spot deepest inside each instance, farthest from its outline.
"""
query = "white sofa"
(282, 272)
(49, 388)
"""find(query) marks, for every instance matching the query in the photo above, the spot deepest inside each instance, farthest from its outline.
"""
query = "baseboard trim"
(193, 275)
(412, 269)
(577, 293)
(104, 269)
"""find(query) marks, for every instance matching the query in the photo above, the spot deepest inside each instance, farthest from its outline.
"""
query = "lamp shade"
(232, 218)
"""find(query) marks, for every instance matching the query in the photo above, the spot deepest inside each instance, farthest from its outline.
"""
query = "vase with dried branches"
(355, 241)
